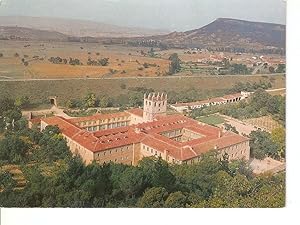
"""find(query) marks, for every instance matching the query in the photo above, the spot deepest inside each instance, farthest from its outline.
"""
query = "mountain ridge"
(78, 28)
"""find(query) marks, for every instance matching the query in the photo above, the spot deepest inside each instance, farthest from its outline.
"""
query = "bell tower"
(154, 104)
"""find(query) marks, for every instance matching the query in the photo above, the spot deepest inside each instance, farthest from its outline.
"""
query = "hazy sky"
(163, 14)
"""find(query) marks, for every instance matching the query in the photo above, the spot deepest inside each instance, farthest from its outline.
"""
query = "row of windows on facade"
(108, 126)
(102, 121)
(122, 149)
(158, 154)
(118, 160)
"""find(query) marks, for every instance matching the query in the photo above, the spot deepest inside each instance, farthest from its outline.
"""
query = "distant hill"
(228, 33)
(21, 33)
(77, 28)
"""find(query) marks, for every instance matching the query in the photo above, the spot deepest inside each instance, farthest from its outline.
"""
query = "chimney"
(220, 134)
(166, 154)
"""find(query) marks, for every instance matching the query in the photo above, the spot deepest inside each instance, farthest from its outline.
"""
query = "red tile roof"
(99, 117)
(136, 112)
(149, 133)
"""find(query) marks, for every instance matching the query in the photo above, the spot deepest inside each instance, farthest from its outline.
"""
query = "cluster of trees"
(59, 60)
(264, 144)
(10, 114)
(147, 65)
(236, 68)
(24, 145)
(90, 101)
(238, 87)
(150, 43)
(259, 104)
(151, 184)
(134, 98)
(99, 62)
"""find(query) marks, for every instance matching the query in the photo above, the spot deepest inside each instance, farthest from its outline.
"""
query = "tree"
(52, 146)
(132, 182)
(278, 137)
(6, 104)
(175, 64)
(271, 69)
(230, 128)
(13, 149)
(22, 102)
(176, 200)
(280, 68)
(90, 100)
(153, 198)
(157, 173)
(260, 99)
(7, 183)
(261, 145)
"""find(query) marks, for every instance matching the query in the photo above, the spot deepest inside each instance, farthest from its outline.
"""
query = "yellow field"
(123, 61)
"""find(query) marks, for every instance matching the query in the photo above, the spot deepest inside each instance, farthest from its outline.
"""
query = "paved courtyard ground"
(241, 127)
(266, 165)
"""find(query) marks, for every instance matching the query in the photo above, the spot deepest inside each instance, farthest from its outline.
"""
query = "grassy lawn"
(211, 119)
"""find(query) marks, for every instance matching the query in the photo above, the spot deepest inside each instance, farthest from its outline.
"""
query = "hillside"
(229, 33)
(78, 28)
(21, 33)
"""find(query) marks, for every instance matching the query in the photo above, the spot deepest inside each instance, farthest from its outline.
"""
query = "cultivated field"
(123, 61)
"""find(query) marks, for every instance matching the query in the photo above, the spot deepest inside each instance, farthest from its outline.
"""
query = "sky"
(171, 15)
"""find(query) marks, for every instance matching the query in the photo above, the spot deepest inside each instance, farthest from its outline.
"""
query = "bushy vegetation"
(59, 60)
(99, 62)
(238, 87)
(260, 104)
(152, 184)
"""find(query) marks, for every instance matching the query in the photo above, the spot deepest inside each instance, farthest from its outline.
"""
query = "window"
(155, 152)
(110, 151)
(116, 150)
(151, 150)
(104, 153)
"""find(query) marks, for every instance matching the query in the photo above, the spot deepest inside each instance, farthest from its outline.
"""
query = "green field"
(211, 119)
